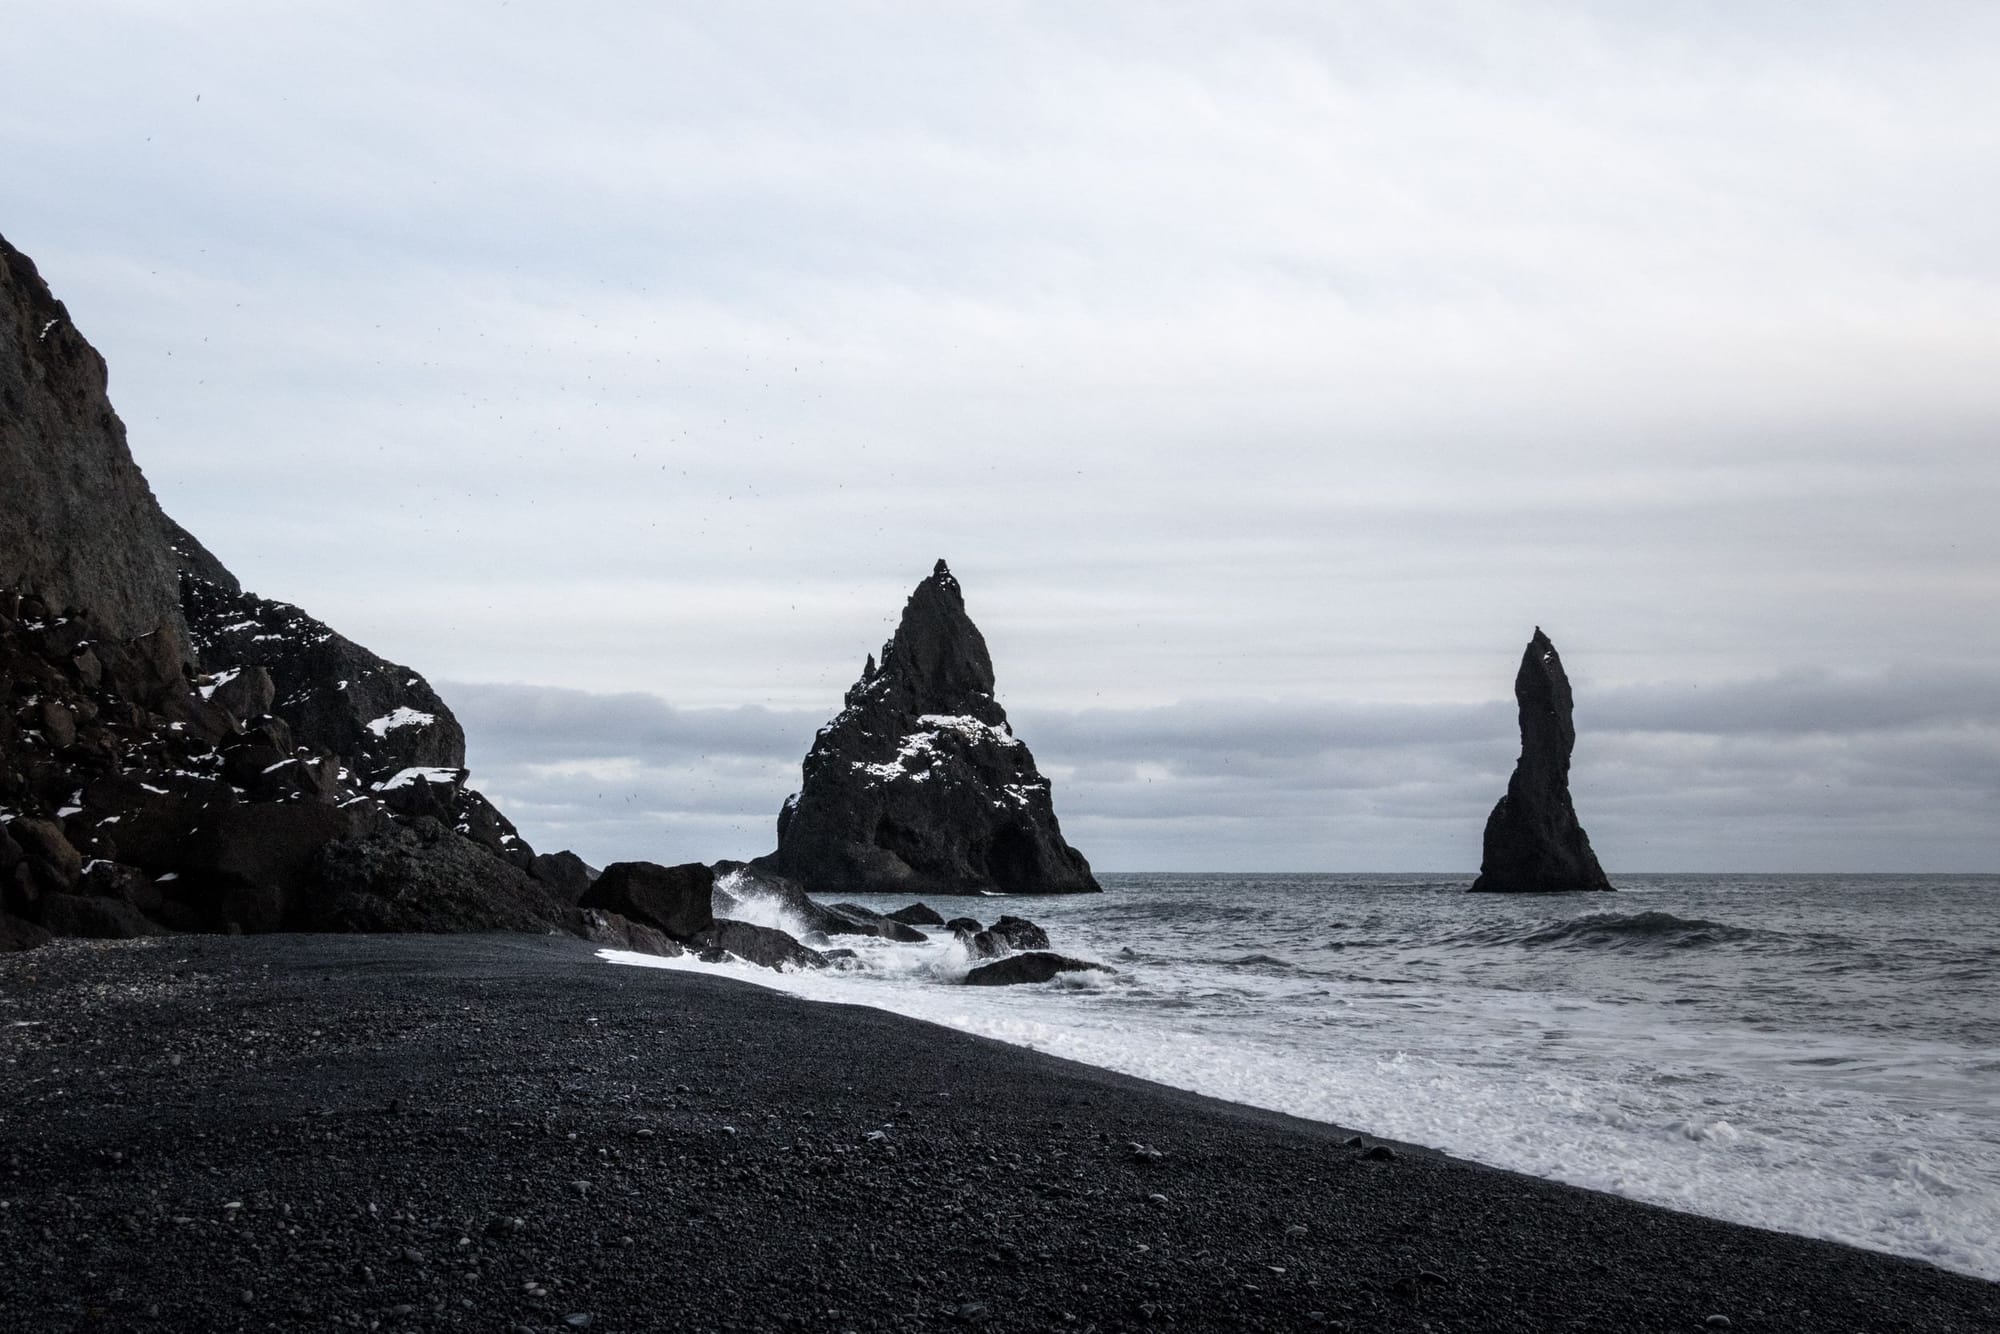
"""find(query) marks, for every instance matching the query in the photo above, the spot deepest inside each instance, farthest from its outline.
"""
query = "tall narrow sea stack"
(919, 785)
(1533, 840)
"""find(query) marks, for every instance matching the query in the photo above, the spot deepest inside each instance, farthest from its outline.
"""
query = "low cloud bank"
(1897, 770)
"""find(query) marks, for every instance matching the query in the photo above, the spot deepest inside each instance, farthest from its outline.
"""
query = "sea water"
(1814, 1054)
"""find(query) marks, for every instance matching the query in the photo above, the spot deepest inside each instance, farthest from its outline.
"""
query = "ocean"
(1814, 1054)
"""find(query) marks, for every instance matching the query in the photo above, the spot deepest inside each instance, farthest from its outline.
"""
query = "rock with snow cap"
(379, 717)
(1533, 839)
(919, 785)
(176, 753)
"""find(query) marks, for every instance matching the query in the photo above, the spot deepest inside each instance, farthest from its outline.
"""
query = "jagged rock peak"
(919, 784)
(936, 662)
(1534, 841)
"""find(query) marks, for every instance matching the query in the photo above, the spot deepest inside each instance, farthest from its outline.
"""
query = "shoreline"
(707, 1152)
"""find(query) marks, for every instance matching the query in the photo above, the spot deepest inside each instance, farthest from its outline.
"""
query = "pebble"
(1156, 1198)
(1716, 1322)
(1381, 1153)
(578, 1319)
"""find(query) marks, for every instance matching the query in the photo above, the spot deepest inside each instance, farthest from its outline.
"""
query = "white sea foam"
(1885, 1139)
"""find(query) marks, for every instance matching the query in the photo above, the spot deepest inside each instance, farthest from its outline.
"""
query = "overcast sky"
(1266, 372)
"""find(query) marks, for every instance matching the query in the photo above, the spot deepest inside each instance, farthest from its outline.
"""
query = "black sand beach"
(501, 1132)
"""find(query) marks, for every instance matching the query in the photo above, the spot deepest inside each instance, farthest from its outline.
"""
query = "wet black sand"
(485, 1133)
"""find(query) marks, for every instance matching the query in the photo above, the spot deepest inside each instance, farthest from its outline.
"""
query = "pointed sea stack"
(919, 785)
(1533, 840)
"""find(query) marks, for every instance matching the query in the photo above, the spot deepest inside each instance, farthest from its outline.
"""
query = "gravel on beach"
(505, 1133)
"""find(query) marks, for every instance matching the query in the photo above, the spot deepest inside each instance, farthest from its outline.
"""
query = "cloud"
(1283, 352)
(1800, 769)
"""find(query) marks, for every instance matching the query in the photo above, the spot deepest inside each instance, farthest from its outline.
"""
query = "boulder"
(675, 899)
(919, 785)
(243, 692)
(250, 867)
(48, 850)
(420, 876)
(763, 945)
(856, 920)
(96, 918)
(605, 928)
(918, 914)
(968, 926)
(563, 874)
(1533, 840)
(1038, 966)
(1018, 933)
(18, 934)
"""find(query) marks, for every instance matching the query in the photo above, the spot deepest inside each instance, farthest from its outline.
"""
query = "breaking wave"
(1610, 930)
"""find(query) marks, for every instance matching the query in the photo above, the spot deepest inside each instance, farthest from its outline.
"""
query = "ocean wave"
(1258, 961)
(1610, 930)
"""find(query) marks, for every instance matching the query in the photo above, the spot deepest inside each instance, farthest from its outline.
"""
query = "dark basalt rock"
(178, 754)
(919, 784)
(94, 918)
(1039, 966)
(678, 900)
(420, 876)
(1018, 933)
(78, 524)
(379, 717)
(563, 874)
(856, 920)
(253, 864)
(1533, 839)
(918, 914)
(602, 927)
(763, 945)
(18, 934)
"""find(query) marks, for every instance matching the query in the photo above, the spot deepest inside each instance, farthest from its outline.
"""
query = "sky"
(1266, 372)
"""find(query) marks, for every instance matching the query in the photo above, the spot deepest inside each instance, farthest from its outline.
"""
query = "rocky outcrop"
(78, 524)
(678, 900)
(379, 717)
(1007, 934)
(178, 754)
(1017, 969)
(1533, 839)
(129, 805)
(765, 946)
(919, 785)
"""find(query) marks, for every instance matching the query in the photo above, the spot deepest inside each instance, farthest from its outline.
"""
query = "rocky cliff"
(179, 754)
(78, 523)
(1533, 839)
(919, 785)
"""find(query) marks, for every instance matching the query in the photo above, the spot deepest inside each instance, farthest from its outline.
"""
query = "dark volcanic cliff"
(919, 785)
(78, 523)
(1533, 840)
(178, 754)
